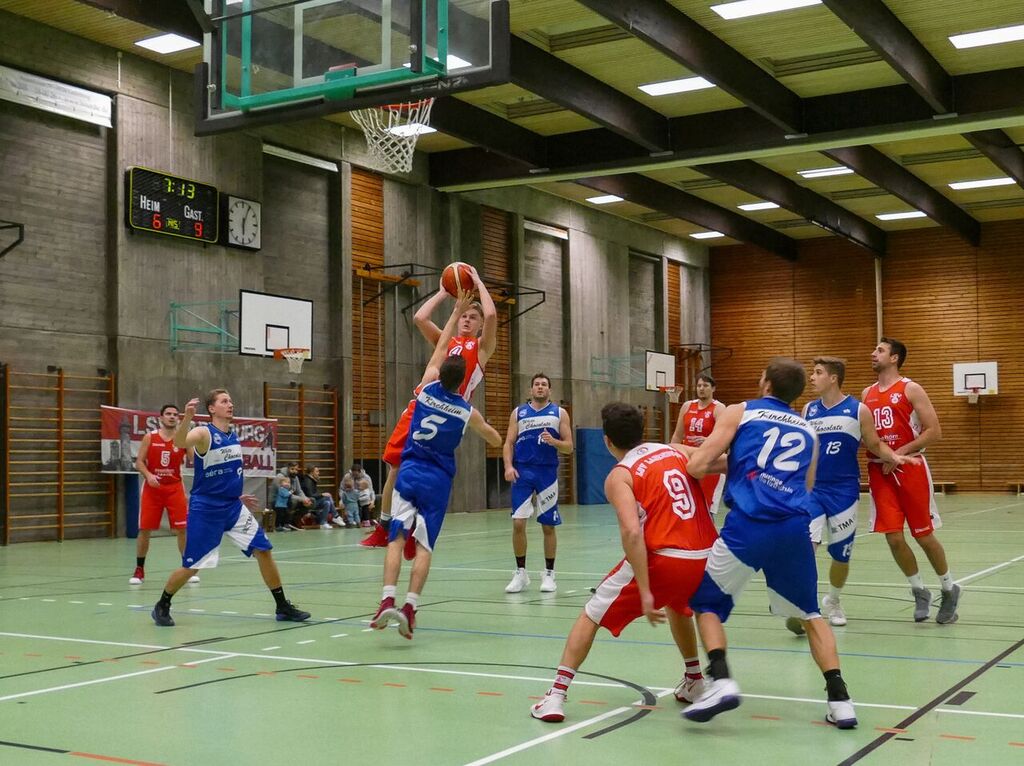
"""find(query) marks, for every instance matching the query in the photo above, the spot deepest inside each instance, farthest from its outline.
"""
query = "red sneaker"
(138, 577)
(406, 620)
(386, 613)
(409, 551)
(378, 538)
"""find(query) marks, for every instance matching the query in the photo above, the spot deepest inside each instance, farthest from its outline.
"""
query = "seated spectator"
(323, 503)
(350, 502)
(299, 499)
(357, 474)
(366, 501)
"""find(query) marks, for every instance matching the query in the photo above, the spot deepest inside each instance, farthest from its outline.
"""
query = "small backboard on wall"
(975, 378)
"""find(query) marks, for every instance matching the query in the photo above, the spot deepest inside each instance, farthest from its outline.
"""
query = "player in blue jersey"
(439, 421)
(538, 432)
(772, 459)
(218, 507)
(841, 423)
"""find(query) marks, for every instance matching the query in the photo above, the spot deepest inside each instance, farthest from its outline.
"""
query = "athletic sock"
(835, 685)
(413, 600)
(692, 668)
(278, 594)
(717, 667)
(946, 581)
(165, 598)
(389, 591)
(550, 565)
(140, 561)
(520, 562)
(915, 580)
(562, 680)
(834, 593)
(384, 520)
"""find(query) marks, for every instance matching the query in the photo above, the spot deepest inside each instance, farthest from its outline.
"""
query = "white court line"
(105, 680)
(83, 641)
(308, 641)
(278, 552)
(339, 635)
(990, 569)
(985, 510)
(269, 648)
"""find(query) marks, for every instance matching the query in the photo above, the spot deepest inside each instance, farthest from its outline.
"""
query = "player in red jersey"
(478, 332)
(906, 421)
(697, 419)
(667, 534)
(159, 462)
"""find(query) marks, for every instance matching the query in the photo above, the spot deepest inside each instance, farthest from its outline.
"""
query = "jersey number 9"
(675, 485)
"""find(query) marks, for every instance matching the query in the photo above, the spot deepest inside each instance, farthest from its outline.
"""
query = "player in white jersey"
(538, 432)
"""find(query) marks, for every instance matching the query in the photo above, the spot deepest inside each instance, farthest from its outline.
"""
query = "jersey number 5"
(682, 503)
(783, 461)
(428, 428)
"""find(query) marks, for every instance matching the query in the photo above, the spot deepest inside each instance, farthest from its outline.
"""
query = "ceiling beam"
(644, 191)
(670, 31)
(1002, 150)
(888, 174)
(762, 182)
(477, 126)
(166, 15)
(549, 77)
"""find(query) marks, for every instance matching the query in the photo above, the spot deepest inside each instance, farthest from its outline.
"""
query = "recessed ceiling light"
(169, 43)
(901, 216)
(744, 8)
(759, 206)
(454, 62)
(988, 37)
(982, 183)
(412, 129)
(676, 86)
(707, 235)
(839, 170)
(233, 2)
(604, 199)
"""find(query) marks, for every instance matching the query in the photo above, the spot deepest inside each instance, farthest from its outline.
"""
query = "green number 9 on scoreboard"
(166, 204)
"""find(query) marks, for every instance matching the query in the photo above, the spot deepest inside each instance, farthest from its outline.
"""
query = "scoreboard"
(166, 204)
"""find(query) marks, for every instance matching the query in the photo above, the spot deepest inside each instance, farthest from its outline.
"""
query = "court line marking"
(990, 569)
(278, 552)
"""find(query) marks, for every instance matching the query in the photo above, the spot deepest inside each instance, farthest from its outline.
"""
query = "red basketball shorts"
(155, 499)
(905, 495)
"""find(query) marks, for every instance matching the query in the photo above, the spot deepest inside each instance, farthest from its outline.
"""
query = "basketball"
(456, 271)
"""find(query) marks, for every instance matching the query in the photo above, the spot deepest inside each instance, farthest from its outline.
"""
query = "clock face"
(244, 223)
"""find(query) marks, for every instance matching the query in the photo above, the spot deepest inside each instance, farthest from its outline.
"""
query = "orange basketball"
(456, 271)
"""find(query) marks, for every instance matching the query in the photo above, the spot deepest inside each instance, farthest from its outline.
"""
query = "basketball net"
(294, 356)
(674, 393)
(972, 395)
(392, 131)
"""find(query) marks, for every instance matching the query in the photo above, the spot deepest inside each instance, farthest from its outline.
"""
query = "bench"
(1016, 486)
(944, 487)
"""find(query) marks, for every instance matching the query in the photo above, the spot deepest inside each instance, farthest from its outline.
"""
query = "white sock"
(389, 591)
(834, 592)
(946, 581)
(412, 599)
(915, 581)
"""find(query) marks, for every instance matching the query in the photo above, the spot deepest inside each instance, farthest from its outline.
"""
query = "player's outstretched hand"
(654, 616)
(190, 408)
(250, 502)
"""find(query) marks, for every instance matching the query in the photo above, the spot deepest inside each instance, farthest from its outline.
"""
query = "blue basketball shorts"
(209, 522)
(781, 549)
(838, 512)
(419, 502)
(536, 491)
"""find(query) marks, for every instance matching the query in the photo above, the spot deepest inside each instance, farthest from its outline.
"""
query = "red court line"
(642, 707)
(440, 689)
(68, 656)
(820, 723)
(350, 680)
(591, 702)
(265, 673)
(148, 662)
(491, 694)
(227, 670)
(303, 675)
(957, 736)
(890, 730)
(111, 759)
(32, 654)
(766, 717)
(395, 686)
(1017, 744)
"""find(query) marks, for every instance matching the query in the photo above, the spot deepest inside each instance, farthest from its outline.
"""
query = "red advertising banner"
(121, 432)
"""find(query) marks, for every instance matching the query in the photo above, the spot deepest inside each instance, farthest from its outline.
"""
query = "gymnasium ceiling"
(874, 86)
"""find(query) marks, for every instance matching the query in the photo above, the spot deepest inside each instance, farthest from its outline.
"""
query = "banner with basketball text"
(121, 432)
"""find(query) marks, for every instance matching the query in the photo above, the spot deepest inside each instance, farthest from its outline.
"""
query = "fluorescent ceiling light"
(412, 129)
(901, 216)
(604, 199)
(676, 86)
(232, 2)
(759, 206)
(982, 183)
(707, 235)
(169, 43)
(453, 61)
(988, 37)
(839, 170)
(744, 8)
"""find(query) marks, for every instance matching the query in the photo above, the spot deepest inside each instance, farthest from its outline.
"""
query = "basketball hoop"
(674, 393)
(294, 356)
(972, 395)
(392, 130)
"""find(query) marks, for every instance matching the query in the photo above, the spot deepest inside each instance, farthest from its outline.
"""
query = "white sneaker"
(193, 580)
(550, 709)
(338, 522)
(547, 583)
(719, 695)
(833, 611)
(689, 689)
(518, 582)
(841, 714)
(325, 526)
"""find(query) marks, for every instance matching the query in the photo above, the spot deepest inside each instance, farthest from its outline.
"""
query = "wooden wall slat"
(496, 251)
(675, 322)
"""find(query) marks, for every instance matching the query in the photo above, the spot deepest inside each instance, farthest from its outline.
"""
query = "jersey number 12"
(783, 461)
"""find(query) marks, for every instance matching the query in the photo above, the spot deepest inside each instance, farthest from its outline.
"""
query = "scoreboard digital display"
(166, 204)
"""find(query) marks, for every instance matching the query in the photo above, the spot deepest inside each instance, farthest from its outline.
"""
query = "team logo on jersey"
(895, 398)
(469, 345)
(814, 411)
(846, 412)
(216, 438)
(642, 450)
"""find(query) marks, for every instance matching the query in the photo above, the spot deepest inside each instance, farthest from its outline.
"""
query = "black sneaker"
(161, 615)
(289, 613)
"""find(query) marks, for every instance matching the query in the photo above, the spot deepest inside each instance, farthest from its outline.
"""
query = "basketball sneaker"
(378, 538)
(409, 551)
(794, 626)
(193, 580)
(138, 577)
(161, 615)
(547, 582)
(720, 695)
(689, 689)
(841, 714)
(550, 709)
(290, 613)
(833, 611)
(338, 521)
(947, 608)
(922, 603)
(518, 582)
(386, 612)
(406, 621)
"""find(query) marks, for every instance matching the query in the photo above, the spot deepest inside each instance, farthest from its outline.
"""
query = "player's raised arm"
(433, 369)
(720, 465)
(618, 488)
(717, 444)
(511, 474)
(489, 336)
(484, 429)
(186, 437)
(422, 318)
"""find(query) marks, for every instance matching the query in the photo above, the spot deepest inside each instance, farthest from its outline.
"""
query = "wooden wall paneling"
(496, 250)
(675, 328)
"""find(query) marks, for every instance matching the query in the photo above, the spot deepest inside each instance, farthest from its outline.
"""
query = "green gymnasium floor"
(84, 673)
